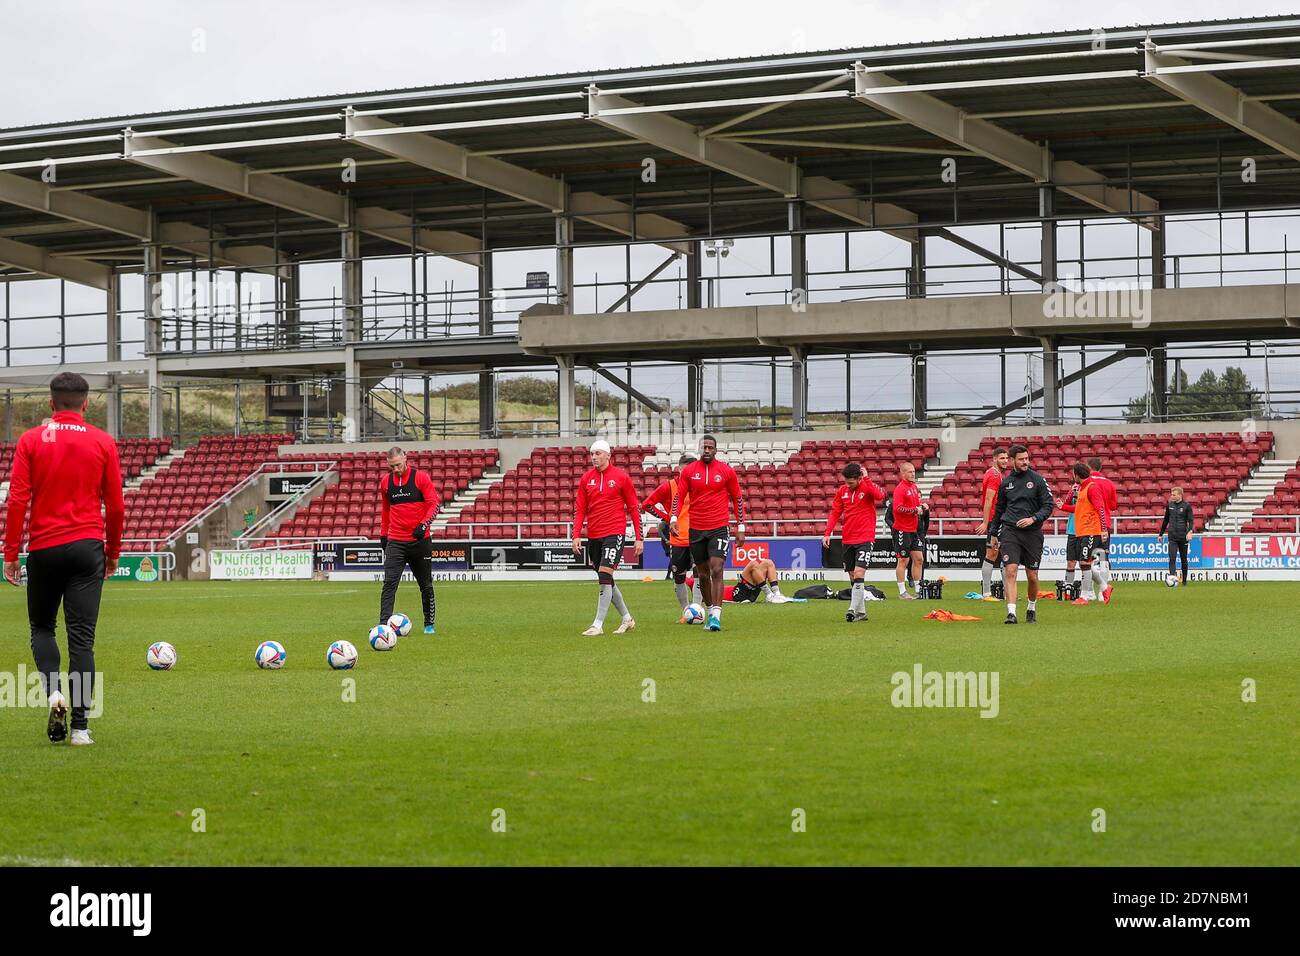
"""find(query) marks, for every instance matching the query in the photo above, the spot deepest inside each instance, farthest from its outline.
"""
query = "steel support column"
(563, 263)
(568, 410)
(352, 395)
(1160, 382)
(487, 406)
(799, 387)
(353, 318)
(113, 353)
(693, 277)
(920, 414)
(1047, 256)
(798, 253)
(153, 335)
(1051, 382)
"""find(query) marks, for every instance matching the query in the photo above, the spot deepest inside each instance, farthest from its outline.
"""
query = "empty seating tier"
(1208, 466)
(1280, 509)
(352, 509)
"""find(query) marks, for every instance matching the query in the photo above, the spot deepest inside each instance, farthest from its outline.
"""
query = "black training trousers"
(419, 556)
(70, 574)
(1178, 549)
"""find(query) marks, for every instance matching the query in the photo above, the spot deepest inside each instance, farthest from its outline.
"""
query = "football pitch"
(510, 739)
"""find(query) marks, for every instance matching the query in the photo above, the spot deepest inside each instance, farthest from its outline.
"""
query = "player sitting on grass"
(759, 576)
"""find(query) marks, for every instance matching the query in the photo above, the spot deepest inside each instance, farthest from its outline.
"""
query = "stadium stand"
(137, 455)
(1279, 511)
(165, 502)
(787, 485)
(1209, 467)
(351, 508)
(535, 498)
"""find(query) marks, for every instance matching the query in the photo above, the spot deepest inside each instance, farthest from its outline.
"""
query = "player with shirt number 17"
(605, 501)
(710, 488)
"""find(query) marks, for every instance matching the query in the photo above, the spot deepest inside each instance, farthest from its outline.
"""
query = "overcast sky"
(66, 60)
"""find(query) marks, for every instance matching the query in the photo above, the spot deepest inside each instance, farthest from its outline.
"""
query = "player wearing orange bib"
(1091, 518)
(660, 503)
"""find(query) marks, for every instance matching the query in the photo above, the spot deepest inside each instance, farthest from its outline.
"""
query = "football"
(1171, 580)
(401, 624)
(161, 656)
(342, 656)
(269, 655)
(694, 614)
(382, 637)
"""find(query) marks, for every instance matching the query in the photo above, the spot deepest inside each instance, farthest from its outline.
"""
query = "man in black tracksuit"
(1180, 522)
(1024, 503)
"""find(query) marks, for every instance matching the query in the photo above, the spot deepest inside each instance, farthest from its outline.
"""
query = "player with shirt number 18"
(604, 502)
(710, 488)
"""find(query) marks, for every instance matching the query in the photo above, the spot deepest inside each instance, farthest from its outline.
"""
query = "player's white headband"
(600, 445)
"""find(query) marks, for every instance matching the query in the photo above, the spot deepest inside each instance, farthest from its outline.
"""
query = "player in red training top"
(989, 486)
(409, 502)
(605, 502)
(710, 488)
(855, 502)
(66, 470)
(907, 518)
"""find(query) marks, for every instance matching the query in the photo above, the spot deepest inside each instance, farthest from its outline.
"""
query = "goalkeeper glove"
(420, 530)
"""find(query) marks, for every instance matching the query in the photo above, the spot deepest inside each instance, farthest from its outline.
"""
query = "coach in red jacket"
(410, 502)
(66, 470)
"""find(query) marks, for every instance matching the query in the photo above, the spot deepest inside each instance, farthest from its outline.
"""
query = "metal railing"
(320, 471)
(230, 493)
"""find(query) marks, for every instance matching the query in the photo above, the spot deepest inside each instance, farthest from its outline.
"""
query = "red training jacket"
(857, 505)
(413, 500)
(709, 490)
(66, 469)
(1108, 486)
(605, 500)
(907, 506)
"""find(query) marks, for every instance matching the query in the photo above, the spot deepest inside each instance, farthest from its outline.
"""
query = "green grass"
(1135, 708)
